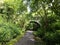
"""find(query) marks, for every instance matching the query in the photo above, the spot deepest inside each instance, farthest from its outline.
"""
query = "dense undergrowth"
(41, 16)
(8, 32)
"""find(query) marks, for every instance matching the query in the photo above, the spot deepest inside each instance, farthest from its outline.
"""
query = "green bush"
(52, 37)
(39, 33)
(49, 30)
(29, 26)
(56, 25)
(8, 32)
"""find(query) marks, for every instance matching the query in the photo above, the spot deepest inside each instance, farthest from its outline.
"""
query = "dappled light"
(29, 22)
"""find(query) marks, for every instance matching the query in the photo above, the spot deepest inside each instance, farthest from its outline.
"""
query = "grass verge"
(13, 41)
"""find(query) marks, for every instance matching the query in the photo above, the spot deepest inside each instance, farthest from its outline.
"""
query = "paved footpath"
(27, 39)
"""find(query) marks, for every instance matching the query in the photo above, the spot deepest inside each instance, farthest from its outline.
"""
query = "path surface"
(27, 39)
